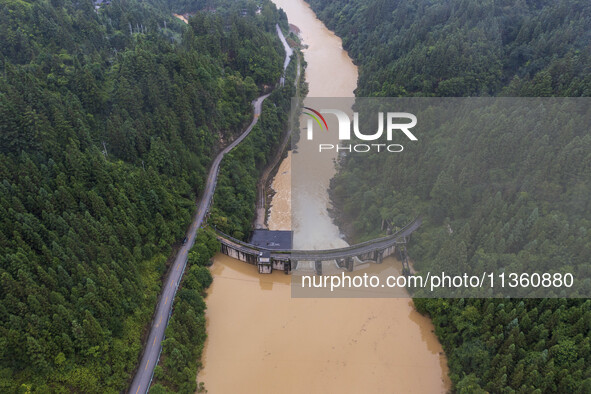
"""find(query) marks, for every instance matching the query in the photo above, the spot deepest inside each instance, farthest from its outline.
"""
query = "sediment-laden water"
(260, 340)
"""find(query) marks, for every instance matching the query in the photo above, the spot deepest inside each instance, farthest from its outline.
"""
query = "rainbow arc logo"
(316, 117)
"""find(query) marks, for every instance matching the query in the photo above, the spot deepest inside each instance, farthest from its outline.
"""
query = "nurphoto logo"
(394, 124)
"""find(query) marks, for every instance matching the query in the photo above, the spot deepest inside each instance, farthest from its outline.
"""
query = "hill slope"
(108, 121)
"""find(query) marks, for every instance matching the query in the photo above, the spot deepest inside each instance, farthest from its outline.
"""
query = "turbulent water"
(260, 340)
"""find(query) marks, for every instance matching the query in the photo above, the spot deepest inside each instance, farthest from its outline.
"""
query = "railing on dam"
(373, 249)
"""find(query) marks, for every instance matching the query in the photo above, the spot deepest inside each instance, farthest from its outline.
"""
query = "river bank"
(265, 192)
(261, 340)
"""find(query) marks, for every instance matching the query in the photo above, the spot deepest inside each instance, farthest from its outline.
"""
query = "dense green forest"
(496, 199)
(109, 119)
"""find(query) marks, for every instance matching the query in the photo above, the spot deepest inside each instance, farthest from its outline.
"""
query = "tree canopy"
(109, 118)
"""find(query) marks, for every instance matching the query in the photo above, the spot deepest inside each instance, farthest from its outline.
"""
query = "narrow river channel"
(260, 340)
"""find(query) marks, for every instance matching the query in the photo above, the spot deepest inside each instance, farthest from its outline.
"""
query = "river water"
(260, 340)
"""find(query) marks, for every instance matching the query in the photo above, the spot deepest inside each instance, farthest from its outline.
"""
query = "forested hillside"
(465, 47)
(108, 121)
(496, 199)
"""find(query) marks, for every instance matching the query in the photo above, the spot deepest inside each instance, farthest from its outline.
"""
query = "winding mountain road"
(143, 376)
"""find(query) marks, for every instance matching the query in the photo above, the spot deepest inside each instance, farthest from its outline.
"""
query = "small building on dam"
(273, 240)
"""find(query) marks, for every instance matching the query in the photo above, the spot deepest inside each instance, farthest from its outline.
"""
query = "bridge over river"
(268, 259)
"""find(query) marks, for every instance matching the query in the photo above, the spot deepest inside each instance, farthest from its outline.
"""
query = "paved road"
(143, 377)
(288, 53)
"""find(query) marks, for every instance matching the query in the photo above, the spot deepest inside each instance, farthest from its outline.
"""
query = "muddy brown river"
(260, 340)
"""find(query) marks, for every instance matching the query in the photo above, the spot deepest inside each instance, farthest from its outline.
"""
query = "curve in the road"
(143, 377)
(151, 355)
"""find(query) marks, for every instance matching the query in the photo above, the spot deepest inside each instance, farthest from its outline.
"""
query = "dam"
(273, 257)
